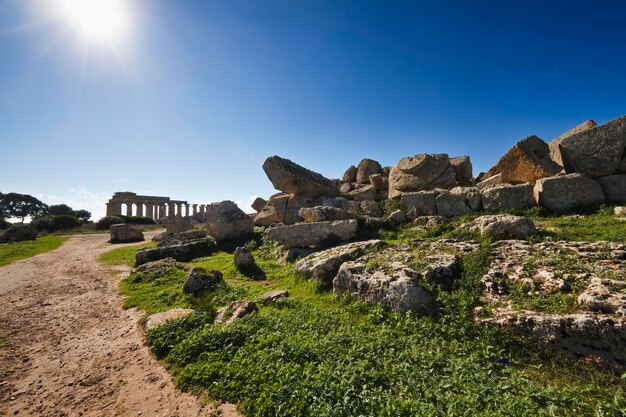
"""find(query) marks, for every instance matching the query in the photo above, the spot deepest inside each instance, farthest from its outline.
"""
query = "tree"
(60, 209)
(3, 210)
(83, 215)
(22, 205)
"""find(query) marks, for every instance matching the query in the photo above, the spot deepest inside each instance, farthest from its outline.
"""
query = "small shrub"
(4, 224)
(106, 222)
(56, 223)
(140, 220)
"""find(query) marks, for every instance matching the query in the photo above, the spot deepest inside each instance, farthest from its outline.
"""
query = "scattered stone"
(313, 234)
(19, 233)
(184, 253)
(443, 269)
(451, 205)
(526, 162)
(564, 193)
(604, 296)
(507, 197)
(491, 181)
(397, 217)
(376, 223)
(323, 213)
(157, 319)
(428, 222)
(350, 175)
(227, 221)
(200, 280)
(421, 172)
(236, 310)
(169, 239)
(379, 182)
(597, 151)
(614, 187)
(124, 233)
(366, 168)
(258, 204)
(293, 254)
(345, 188)
(504, 225)
(243, 259)
(462, 167)
(620, 211)
(555, 151)
(274, 295)
(292, 178)
(323, 266)
(157, 266)
(395, 287)
(423, 202)
(371, 208)
(367, 192)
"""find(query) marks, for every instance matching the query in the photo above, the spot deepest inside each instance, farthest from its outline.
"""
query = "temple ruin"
(156, 208)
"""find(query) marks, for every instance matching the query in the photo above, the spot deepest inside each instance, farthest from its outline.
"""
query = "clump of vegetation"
(55, 223)
(10, 252)
(106, 222)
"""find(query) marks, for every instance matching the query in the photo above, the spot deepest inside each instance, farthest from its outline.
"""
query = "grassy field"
(10, 252)
(321, 355)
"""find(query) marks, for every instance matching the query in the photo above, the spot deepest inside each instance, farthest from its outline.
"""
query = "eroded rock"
(313, 234)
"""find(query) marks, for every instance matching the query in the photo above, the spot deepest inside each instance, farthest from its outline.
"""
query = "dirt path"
(67, 348)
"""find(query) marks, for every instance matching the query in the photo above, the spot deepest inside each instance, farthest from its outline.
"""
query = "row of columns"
(156, 211)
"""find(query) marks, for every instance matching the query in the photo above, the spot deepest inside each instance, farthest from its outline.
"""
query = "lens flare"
(97, 21)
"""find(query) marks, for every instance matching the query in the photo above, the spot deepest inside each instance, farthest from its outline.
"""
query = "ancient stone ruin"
(156, 208)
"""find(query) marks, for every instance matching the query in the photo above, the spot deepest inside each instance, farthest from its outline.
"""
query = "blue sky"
(199, 93)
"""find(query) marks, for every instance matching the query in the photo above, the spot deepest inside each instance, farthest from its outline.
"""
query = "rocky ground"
(67, 348)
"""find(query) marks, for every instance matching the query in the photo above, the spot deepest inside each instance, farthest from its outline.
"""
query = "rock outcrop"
(289, 177)
(555, 151)
(366, 168)
(507, 197)
(125, 233)
(200, 280)
(19, 233)
(614, 188)
(504, 226)
(526, 162)
(462, 169)
(421, 172)
(563, 193)
(323, 213)
(227, 221)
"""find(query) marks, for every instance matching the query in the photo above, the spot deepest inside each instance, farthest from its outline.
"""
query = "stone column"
(187, 210)
(171, 213)
(117, 208)
(149, 213)
(110, 209)
(140, 209)
(195, 209)
(129, 209)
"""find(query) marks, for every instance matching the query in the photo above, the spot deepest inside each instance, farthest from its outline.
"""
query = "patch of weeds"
(14, 251)
(557, 303)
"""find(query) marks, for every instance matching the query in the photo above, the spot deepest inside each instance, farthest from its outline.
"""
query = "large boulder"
(622, 165)
(394, 287)
(527, 161)
(504, 226)
(350, 174)
(563, 193)
(258, 204)
(289, 177)
(421, 172)
(125, 233)
(323, 266)
(472, 196)
(19, 233)
(596, 152)
(227, 221)
(313, 234)
(366, 168)
(184, 253)
(244, 260)
(422, 202)
(462, 169)
(323, 213)
(614, 187)
(200, 280)
(507, 197)
(555, 151)
(169, 239)
(451, 205)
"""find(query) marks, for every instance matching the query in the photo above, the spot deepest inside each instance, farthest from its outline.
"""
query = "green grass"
(315, 354)
(124, 255)
(10, 252)
(598, 226)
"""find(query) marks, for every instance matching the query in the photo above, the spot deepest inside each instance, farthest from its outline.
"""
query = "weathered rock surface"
(564, 193)
(199, 280)
(366, 168)
(604, 296)
(504, 225)
(178, 225)
(397, 217)
(243, 259)
(258, 204)
(125, 233)
(350, 174)
(462, 169)
(367, 192)
(450, 205)
(184, 253)
(157, 319)
(323, 213)
(526, 162)
(597, 151)
(227, 221)
(379, 182)
(622, 165)
(395, 288)
(619, 211)
(323, 266)
(19, 233)
(158, 265)
(169, 239)
(293, 254)
(491, 181)
(614, 188)
(289, 177)
(236, 310)
(421, 172)
(555, 151)
(507, 197)
(423, 202)
(274, 295)
(472, 196)
(313, 234)
(442, 269)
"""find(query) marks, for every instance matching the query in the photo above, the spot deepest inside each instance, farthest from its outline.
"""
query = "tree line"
(49, 217)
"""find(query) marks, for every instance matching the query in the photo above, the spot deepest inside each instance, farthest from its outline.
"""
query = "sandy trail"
(67, 348)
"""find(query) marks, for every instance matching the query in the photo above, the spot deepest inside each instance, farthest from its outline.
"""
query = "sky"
(194, 95)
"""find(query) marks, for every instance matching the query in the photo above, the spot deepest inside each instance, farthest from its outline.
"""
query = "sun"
(97, 21)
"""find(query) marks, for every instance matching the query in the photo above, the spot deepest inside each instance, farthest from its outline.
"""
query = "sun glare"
(97, 21)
